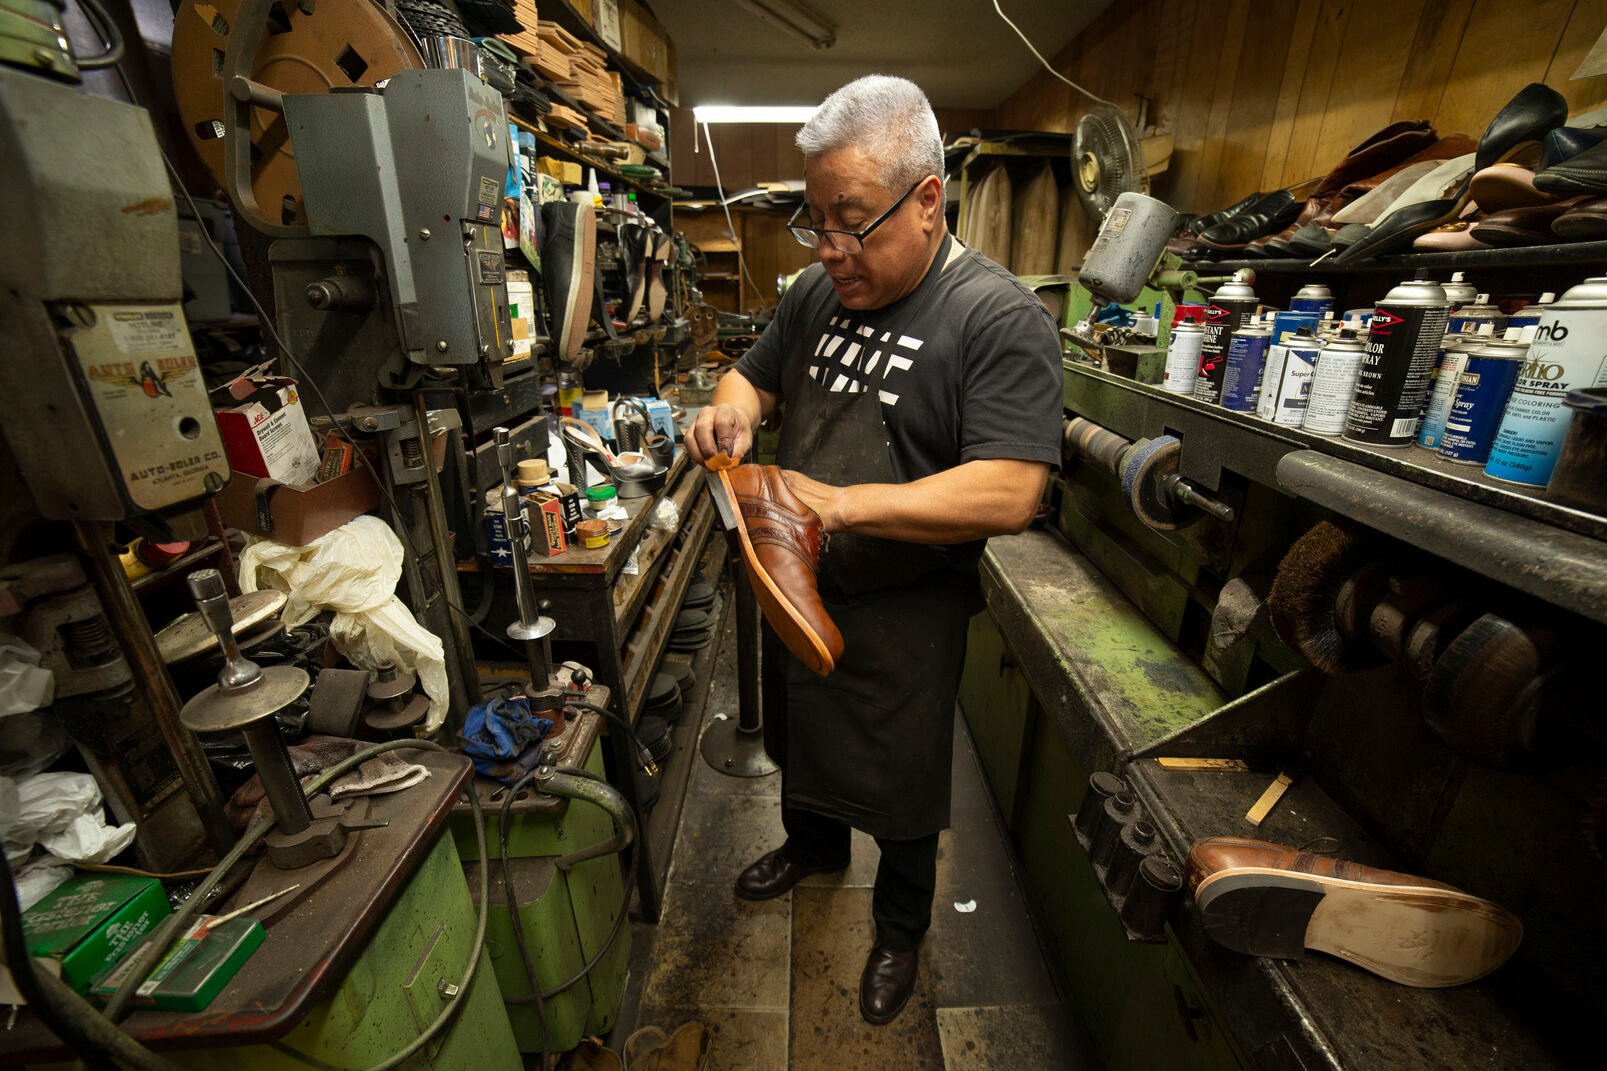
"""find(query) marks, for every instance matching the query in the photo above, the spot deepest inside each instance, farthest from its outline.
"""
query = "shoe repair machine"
(399, 926)
(1370, 651)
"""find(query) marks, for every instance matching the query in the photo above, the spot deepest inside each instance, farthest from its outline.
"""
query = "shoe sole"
(1415, 935)
(581, 272)
(794, 631)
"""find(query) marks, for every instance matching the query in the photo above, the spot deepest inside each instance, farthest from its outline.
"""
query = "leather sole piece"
(1415, 935)
(802, 640)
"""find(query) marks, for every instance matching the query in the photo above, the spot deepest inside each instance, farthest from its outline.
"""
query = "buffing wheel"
(1491, 694)
(1321, 572)
(336, 46)
(1143, 468)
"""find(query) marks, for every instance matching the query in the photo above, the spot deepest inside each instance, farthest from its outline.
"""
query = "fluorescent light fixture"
(796, 19)
(737, 113)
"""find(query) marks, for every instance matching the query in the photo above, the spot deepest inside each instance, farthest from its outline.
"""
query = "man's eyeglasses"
(850, 242)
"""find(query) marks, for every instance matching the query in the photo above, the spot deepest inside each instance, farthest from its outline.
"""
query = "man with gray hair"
(922, 393)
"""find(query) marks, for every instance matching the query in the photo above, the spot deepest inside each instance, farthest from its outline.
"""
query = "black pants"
(901, 902)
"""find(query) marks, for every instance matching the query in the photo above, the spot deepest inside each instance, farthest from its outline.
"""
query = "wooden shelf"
(578, 154)
(563, 14)
(1565, 254)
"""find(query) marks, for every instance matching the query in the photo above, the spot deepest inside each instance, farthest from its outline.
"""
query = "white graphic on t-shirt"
(856, 368)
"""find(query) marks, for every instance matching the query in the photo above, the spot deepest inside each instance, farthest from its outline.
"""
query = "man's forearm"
(971, 501)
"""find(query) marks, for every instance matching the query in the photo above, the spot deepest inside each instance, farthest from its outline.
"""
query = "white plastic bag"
(354, 571)
(63, 813)
(24, 684)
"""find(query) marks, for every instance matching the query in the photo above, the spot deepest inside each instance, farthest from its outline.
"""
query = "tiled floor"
(778, 982)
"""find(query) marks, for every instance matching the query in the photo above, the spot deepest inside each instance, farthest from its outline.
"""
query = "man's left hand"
(823, 498)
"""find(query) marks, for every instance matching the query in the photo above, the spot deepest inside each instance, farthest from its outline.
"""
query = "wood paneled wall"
(1261, 94)
(751, 153)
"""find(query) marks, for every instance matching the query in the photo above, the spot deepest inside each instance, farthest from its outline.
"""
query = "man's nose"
(829, 253)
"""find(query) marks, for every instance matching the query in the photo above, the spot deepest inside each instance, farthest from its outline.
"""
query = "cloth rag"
(387, 772)
(503, 738)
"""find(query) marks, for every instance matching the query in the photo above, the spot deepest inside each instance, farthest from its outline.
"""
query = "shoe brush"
(1323, 594)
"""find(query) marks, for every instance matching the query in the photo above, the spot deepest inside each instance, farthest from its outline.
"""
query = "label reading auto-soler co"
(143, 380)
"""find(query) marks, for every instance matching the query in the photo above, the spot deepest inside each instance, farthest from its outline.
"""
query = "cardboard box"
(663, 421)
(89, 923)
(566, 172)
(298, 515)
(593, 409)
(546, 514)
(265, 433)
(606, 13)
(195, 969)
(645, 42)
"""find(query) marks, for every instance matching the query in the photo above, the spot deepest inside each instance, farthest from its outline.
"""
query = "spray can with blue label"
(1247, 356)
(1529, 315)
(1569, 352)
(1488, 375)
(1453, 358)
(1286, 383)
(1314, 298)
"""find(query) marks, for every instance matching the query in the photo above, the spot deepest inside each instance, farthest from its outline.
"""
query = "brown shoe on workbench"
(780, 541)
(1270, 900)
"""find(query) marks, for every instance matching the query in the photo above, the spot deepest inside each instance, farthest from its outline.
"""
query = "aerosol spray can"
(1183, 358)
(1403, 344)
(1285, 324)
(1489, 373)
(1286, 384)
(1247, 357)
(1313, 297)
(1465, 320)
(1459, 291)
(1529, 315)
(1333, 384)
(1568, 353)
(1188, 312)
(1453, 358)
(1233, 307)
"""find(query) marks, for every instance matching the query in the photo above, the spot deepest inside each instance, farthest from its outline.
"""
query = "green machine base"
(566, 915)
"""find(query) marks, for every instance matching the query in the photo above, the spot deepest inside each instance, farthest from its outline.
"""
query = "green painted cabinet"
(996, 699)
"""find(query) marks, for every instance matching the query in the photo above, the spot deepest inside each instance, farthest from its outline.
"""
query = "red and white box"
(265, 433)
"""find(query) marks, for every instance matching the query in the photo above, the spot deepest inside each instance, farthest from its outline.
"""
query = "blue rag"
(503, 737)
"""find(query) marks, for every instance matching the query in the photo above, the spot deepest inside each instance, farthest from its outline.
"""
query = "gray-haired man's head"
(888, 118)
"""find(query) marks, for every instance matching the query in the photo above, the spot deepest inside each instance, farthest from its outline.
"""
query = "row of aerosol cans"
(1436, 365)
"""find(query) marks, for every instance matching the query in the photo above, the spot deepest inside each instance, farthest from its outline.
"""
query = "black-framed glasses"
(850, 242)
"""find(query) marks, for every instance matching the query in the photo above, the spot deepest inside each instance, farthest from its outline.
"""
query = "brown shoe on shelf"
(886, 984)
(1270, 900)
(780, 538)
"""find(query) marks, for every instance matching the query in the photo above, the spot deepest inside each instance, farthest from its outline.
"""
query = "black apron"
(872, 743)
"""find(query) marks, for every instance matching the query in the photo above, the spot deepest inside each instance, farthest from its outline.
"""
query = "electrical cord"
(110, 35)
(1046, 64)
(77, 1022)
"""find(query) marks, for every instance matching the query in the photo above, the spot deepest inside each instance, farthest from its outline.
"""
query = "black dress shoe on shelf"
(1585, 173)
(775, 874)
(1270, 213)
(1202, 223)
(1567, 142)
(1536, 111)
(887, 983)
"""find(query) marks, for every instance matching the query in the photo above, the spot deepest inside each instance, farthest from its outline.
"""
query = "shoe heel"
(1259, 914)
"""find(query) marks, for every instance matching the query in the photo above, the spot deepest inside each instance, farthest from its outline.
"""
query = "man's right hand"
(719, 429)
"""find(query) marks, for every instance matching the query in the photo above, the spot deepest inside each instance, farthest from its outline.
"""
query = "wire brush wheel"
(1321, 597)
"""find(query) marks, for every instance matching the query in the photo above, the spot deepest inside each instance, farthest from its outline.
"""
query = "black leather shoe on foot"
(775, 874)
(887, 983)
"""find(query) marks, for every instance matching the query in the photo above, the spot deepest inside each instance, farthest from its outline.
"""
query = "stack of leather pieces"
(693, 631)
(664, 698)
(699, 594)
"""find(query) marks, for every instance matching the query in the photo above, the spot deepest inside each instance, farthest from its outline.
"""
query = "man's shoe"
(568, 266)
(775, 874)
(1270, 900)
(780, 537)
(887, 983)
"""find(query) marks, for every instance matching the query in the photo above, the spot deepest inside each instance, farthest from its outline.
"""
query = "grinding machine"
(1232, 627)
(459, 922)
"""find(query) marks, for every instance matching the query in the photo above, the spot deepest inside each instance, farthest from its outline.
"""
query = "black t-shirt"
(968, 371)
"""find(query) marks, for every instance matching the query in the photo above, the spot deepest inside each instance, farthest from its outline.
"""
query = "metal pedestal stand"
(737, 747)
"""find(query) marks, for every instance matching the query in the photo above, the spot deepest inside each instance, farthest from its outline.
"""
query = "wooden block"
(1269, 799)
(1223, 765)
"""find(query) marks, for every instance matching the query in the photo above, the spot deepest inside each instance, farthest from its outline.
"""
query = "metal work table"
(627, 617)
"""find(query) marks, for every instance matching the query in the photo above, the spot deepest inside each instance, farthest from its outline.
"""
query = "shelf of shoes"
(1582, 254)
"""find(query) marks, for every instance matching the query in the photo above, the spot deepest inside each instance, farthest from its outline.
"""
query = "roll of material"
(1118, 809)
(1101, 787)
(1156, 886)
(1136, 842)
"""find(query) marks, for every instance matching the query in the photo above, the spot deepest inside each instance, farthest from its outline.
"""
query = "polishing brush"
(1323, 594)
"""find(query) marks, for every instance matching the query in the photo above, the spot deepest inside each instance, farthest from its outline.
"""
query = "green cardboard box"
(90, 922)
(195, 969)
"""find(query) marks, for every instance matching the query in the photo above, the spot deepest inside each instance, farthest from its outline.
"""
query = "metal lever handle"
(582, 785)
(212, 600)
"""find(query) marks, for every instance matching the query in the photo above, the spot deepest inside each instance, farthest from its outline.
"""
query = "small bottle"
(600, 499)
(569, 391)
(605, 196)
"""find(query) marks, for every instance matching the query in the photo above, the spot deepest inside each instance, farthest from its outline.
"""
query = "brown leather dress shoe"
(1270, 900)
(773, 874)
(887, 983)
(780, 542)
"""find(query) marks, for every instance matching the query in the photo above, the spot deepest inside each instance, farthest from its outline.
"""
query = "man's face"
(844, 193)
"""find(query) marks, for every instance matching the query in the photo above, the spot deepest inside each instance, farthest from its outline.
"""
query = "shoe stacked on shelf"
(664, 698)
(693, 631)
(1530, 179)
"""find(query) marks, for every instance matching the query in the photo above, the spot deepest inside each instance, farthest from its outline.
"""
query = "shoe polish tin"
(1286, 383)
(1453, 358)
(1568, 353)
(1231, 308)
(1403, 346)
(1333, 384)
(1247, 358)
(1314, 298)
(1183, 358)
(1489, 372)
